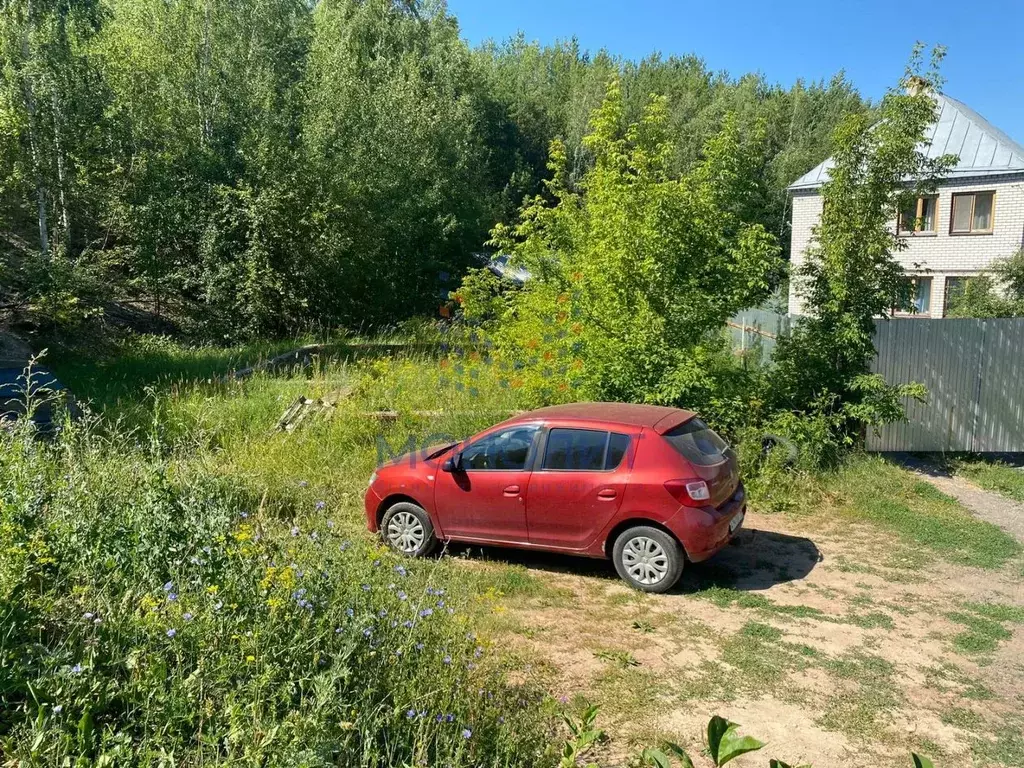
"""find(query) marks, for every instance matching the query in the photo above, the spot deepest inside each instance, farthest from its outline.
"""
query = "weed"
(982, 635)
(623, 659)
(642, 625)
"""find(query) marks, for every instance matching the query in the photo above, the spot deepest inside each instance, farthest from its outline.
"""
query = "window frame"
(903, 232)
(542, 449)
(974, 198)
(927, 314)
(530, 452)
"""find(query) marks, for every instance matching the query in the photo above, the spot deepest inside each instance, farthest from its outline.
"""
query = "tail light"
(692, 493)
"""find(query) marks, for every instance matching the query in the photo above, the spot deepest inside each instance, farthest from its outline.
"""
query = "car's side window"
(507, 450)
(618, 444)
(575, 449)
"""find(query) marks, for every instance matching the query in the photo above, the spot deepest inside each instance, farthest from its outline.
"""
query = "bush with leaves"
(996, 293)
(633, 272)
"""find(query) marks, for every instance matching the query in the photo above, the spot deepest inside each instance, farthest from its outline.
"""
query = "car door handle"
(607, 494)
(512, 490)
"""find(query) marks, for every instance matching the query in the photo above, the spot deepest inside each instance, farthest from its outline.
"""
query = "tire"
(407, 529)
(666, 559)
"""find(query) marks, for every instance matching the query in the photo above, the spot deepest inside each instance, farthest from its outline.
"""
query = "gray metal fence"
(973, 370)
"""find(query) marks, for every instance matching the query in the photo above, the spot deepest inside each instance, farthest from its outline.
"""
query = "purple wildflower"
(411, 714)
(426, 612)
(467, 733)
(295, 530)
(447, 660)
(187, 617)
(303, 483)
(87, 615)
(172, 632)
(172, 597)
(168, 586)
(402, 595)
(419, 646)
(330, 524)
(407, 624)
(344, 545)
(383, 612)
(58, 708)
(350, 612)
(366, 587)
(400, 570)
(76, 670)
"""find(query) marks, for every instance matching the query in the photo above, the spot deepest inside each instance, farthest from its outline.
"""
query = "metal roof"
(983, 149)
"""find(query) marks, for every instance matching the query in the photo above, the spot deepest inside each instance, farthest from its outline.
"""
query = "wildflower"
(250, 659)
(344, 545)
(451, 611)
(187, 617)
(402, 595)
(367, 632)
(450, 718)
(471, 666)
(366, 587)
(398, 653)
(87, 615)
(440, 603)
(338, 630)
(172, 632)
(299, 593)
(171, 597)
(207, 550)
(411, 714)
(303, 483)
(321, 504)
(76, 670)
(295, 530)
(501, 720)
(58, 708)
(314, 536)
(218, 605)
(168, 586)
(447, 660)
(430, 590)
(97, 621)
(376, 563)
(349, 612)
(439, 718)
(244, 515)
(400, 570)
(330, 524)
(470, 636)
(467, 733)
(423, 713)
(426, 612)
(478, 652)
(383, 612)
(419, 646)
(407, 624)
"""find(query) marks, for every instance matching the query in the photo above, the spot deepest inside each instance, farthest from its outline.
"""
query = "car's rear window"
(698, 443)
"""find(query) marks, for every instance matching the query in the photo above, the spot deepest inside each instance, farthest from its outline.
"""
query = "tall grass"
(153, 611)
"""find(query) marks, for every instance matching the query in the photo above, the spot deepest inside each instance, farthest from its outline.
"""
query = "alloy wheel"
(645, 560)
(406, 532)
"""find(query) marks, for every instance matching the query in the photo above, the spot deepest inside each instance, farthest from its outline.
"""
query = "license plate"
(736, 522)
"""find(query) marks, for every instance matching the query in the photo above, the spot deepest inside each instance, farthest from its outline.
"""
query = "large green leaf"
(920, 761)
(725, 743)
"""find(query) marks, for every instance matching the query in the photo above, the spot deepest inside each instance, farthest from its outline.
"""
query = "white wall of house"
(939, 255)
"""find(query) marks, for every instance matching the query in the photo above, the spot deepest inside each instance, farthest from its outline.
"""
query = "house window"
(920, 295)
(973, 213)
(920, 217)
(955, 288)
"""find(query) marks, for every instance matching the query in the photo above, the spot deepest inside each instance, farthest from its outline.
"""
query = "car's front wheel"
(407, 529)
(648, 559)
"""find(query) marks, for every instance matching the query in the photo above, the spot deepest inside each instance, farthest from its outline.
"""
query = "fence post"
(977, 386)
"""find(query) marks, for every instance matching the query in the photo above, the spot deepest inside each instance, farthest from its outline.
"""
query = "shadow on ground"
(755, 560)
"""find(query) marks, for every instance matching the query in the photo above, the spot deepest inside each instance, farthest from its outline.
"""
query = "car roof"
(658, 417)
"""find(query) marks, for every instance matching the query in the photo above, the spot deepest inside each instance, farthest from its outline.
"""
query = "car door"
(484, 499)
(577, 487)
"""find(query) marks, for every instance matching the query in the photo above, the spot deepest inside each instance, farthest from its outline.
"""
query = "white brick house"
(945, 246)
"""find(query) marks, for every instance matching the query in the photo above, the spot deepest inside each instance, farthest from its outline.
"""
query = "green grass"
(920, 516)
(871, 693)
(981, 636)
(993, 475)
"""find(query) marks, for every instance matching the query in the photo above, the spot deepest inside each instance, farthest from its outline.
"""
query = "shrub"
(152, 610)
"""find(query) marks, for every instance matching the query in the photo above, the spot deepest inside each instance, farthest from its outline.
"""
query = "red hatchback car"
(650, 487)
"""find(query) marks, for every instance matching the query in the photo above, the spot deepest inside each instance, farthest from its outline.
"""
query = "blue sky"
(791, 39)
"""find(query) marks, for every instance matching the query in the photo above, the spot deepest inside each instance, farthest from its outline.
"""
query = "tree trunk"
(33, 139)
(62, 179)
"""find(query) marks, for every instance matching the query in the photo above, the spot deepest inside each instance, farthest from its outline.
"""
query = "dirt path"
(987, 505)
(833, 644)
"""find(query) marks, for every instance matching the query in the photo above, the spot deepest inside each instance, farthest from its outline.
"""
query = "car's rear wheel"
(648, 559)
(406, 528)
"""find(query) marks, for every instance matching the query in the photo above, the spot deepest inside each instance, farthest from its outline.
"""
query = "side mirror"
(454, 464)
(448, 466)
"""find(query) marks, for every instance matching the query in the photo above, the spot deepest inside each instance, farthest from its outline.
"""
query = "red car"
(650, 487)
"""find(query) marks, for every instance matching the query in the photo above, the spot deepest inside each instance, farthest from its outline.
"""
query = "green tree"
(632, 271)
(996, 293)
(850, 276)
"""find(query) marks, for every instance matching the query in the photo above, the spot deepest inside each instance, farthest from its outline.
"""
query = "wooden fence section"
(973, 369)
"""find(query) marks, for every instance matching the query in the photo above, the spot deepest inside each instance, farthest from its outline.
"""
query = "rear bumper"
(704, 531)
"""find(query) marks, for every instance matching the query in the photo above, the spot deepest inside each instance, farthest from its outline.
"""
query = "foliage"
(850, 276)
(153, 609)
(249, 168)
(997, 293)
(583, 736)
(631, 271)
